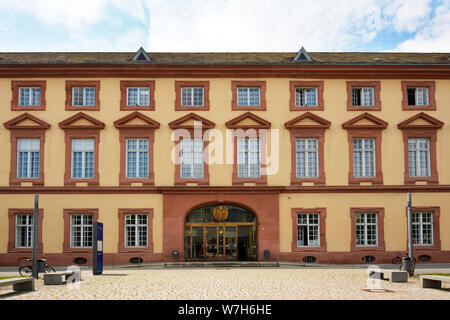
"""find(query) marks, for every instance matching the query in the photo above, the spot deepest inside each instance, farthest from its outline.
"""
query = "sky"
(225, 25)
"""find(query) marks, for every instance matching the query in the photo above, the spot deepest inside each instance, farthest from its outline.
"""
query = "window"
(307, 160)
(366, 229)
(29, 96)
(418, 96)
(248, 96)
(28, 158)
(308, 230)
(81, 230)
(136, 230)
(306, 97)
(137, 158)
(138, 96)
(419, 157)
(83, 158)
(422, 228)
(191, 158)
(83, 96)
(363, 157)
(192, 97)
(249, 165)
(362, 97)
(24, 230)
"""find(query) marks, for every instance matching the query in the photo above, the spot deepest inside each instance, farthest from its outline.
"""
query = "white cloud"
(408, 15)
(435, 37)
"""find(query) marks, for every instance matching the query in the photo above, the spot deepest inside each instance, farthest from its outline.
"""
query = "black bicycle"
(27, 270)
(398, 261)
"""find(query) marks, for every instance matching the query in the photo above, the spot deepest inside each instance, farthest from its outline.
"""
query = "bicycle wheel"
(25, 271)
(397, 260)
(49, 269)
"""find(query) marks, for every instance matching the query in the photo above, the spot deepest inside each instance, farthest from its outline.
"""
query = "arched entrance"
(222, 232)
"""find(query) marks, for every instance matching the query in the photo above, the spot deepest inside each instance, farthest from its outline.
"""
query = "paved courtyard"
(229, 284)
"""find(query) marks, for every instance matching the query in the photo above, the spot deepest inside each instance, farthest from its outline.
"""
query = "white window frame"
(84, 97)
(138, 157)
(426, 97)
(365, 224)
(420, 224)
(29, 151)
(83, 231)
(139, 89)
(248, 151)
(191, 160)
(31, 99)
(305, 90)
(307, 151)
(137, 226)
(247, 92)
(364, 167)
(364, 103)
(28, 230)
(308, 226)
(182, 102)
(83, 150)
(419, 172)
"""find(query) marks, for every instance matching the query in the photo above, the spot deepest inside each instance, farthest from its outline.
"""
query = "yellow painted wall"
(108, 205)
(336, 147)
(338, 223)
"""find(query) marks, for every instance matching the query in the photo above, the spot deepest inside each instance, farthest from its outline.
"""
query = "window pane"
(132, 96)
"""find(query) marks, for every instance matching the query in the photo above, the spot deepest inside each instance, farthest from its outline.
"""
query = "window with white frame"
(83, 158)
(24, 230)
(81, 230)
(192, 96)
(248, 96)
(137, 158)
(308, 230)
(191, 158)
(364, 157)
(83, 96)
(307, 158)
(366, 229)
(419, 157)
(305, 97)
(362, 97)
(422, 228)
(29, 96)
(28, 157)
(136, 230)
(418, 96)
(138, 96)
(249, 161)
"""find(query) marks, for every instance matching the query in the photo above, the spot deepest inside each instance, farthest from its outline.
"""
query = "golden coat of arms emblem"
(220, 213)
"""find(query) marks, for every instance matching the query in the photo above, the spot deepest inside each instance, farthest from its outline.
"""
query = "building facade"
(302, 157)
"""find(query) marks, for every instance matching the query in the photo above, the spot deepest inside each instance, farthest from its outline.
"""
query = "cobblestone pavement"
(229, 284)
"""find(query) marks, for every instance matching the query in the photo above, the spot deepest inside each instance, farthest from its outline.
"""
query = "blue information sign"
(97, 248)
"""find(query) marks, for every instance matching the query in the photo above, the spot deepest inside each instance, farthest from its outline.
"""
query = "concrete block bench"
(19, 284)
(395, 275)
(56, 278)
(434, 282)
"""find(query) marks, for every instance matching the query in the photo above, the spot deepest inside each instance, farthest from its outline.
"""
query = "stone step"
(220, 264)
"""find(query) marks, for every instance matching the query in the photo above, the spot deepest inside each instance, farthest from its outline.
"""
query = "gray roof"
(223, 58)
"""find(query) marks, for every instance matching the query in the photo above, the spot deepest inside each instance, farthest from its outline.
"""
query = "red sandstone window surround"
(374, 103)
(122, 213)
(15, 102)
(321, 230)
(318, 87)
(18, 132)
(429, 95)
(248, 86)
(124, 85)
(380, 246)
(67, 213)
(436, 213)
(204, 105)
(82, 84)
(12, 213)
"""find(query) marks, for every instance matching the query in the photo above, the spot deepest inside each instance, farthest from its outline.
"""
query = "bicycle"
(398, 260)
(27, 270)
